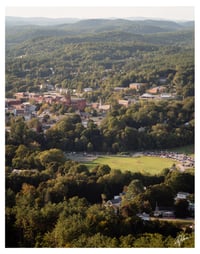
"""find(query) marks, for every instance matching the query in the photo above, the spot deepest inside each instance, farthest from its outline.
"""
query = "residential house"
(166, 96)
(104, 107)
(137, 86)
(10, 102)
(182, 195)
(18, 112)
(88, 89)
(119, 89)
(22, 96)
(46, 86)
(24, 171)
(163, 80)
(95, 105)
(141, 129)
(144, 216)
(24, 110)
(114, 203)
(28, 107)
(125, 103)
(156, 90)
(147, 96)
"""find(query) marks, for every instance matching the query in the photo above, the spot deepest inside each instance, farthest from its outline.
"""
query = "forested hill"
(98, 50)
(18, 30)
(141, 27)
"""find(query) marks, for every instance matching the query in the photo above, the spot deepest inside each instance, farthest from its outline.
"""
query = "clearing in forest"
(143, 164)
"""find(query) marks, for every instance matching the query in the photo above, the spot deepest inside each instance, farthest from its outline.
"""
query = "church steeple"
(156, 208)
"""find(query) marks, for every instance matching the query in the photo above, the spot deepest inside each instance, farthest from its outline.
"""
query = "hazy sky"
(173, 12)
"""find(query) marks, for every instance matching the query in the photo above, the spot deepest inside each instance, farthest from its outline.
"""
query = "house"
(95, 105)
(104, 107)
(191, 206)
(166, 96)
(163, 80)
(29, 108)
(125, 103)
(119, 89)
(61, 90)
(46, 86)
(18, 112)
(10, 102)
(137, 86)
(141, 129)
(87, 89)
(147, 96)
(144, 216)
(182, 195)
(156, 90)
(22, 96)
(114, 203)
(24, 171)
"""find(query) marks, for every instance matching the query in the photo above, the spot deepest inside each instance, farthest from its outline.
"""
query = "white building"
(182, 195)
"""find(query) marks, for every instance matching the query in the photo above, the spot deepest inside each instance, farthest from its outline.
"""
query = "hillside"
(138, 50)
(18, 30)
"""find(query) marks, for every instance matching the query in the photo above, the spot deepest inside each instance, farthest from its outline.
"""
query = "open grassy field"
(143, 164)
(179, 222)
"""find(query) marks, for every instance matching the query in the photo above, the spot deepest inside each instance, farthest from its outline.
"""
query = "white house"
(182, 195)
(144, 216)
(147, 96)
(88, 89)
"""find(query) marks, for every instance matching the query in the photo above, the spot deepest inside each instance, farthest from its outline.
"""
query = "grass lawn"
(182, 222)
(143, 164)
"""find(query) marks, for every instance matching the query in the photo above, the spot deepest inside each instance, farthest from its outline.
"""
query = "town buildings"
(24, 103)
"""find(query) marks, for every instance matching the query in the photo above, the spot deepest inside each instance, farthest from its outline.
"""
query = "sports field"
(143, 164)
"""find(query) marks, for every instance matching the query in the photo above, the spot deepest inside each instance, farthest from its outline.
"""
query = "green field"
(143, 164)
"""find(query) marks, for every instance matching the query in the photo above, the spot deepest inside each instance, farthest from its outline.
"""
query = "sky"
(173, 12)
(83, 9)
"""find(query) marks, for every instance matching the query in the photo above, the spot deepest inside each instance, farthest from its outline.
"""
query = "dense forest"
(52, 201)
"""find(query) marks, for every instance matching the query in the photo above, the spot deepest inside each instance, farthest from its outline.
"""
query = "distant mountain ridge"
(42, 21)
(20, 29)
(39, 21)
(140, 27)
